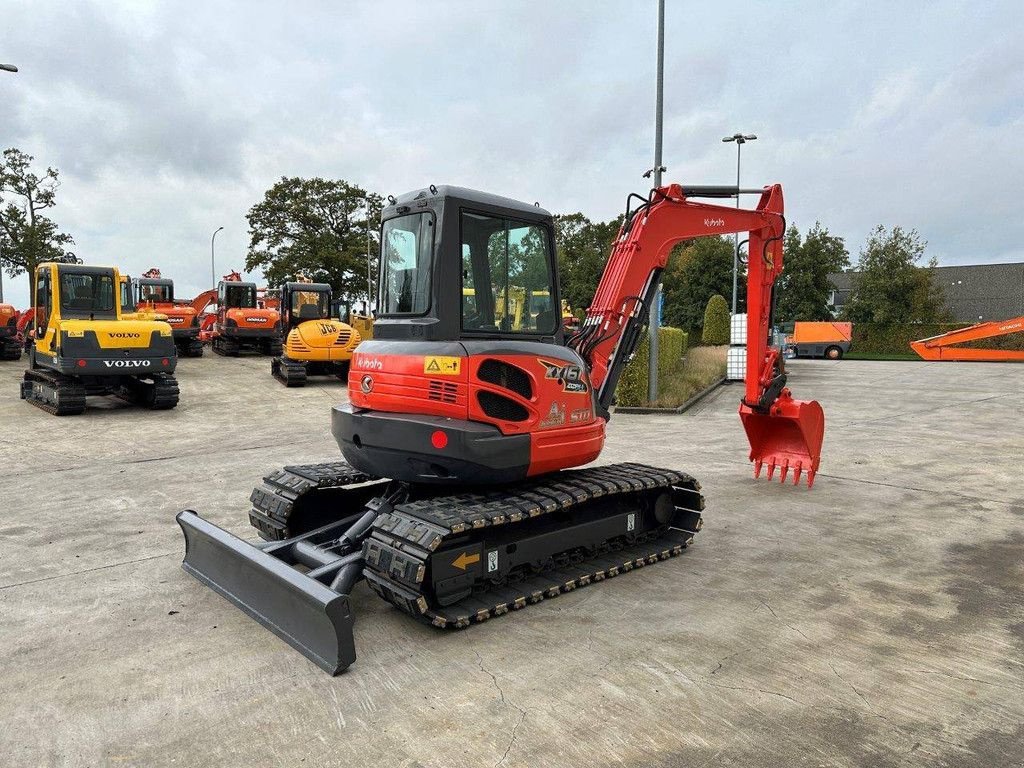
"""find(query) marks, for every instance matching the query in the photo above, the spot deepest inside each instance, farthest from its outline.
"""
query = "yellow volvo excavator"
(83, 345)
(314, 342)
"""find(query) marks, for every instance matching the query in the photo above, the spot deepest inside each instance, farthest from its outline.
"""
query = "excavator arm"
(783, 432)
(940, 347)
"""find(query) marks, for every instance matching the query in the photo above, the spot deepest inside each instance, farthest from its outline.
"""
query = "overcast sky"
(167, 120)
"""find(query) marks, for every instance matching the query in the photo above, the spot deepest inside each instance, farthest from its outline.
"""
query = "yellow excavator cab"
(84, 343)
(315, 342)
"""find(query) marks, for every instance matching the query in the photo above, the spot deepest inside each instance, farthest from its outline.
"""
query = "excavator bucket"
(788, 437)
(307, 614)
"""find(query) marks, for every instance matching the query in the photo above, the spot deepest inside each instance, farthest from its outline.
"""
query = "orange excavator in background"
(10, 338)
(155, 293)
(461, 497)
(941, 347)
(241, 323)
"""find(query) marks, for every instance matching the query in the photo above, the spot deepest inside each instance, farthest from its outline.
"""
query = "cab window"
(84, 294)
(507, 276)
(310, 305)
(406, 250)
(239, 296)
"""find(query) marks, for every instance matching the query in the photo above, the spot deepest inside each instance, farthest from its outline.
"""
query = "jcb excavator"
(314, 342)
(156, 294)
(83, 346)
(456, 502)
(240, 323)
(10, 339)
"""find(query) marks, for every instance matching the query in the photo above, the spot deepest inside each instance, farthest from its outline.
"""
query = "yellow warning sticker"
(442, 366)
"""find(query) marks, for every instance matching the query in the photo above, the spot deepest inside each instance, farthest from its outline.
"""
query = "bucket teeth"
(787, 466)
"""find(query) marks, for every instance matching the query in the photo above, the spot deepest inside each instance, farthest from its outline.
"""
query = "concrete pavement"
(876, 620)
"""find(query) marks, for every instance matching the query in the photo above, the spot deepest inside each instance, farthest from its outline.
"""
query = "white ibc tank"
(736, 363)
(738, 330)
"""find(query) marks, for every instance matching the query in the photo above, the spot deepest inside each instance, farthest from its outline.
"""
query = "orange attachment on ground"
(788, 437)
(940, 347)
(820, 333)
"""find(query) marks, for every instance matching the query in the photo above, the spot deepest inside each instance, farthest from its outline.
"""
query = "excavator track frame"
(298, 582)
(55, 393)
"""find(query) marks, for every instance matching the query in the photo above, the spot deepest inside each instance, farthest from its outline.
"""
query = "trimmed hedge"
(877, 339)
(632, 389)
(716, 321)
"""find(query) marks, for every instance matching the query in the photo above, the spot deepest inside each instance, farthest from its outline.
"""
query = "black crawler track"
(159, 393)
(225, 346)
(291, 373)
(328, 526)
(409, 545)
(54, 392)
(299, 498)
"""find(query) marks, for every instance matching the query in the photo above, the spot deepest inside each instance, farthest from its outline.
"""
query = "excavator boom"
(941, 347)
(783, 433)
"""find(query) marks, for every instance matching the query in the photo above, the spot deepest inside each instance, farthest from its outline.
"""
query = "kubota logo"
(714, 222)
(372, 363)
(255, 319)
(126, 363)
(124, 335)
(175, 319)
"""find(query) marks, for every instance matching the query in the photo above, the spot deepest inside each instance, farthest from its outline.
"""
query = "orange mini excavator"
(241, 323)
(458, 500)
(156, 294)
(941, 347)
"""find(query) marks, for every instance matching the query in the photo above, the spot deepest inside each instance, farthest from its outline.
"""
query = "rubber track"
(225, 347)
(274, 499)
(165, 393)
(402, 541)
(160, 394)
(69, 393)
(289, 372)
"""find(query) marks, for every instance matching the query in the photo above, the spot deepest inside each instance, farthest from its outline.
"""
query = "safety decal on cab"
(442, 366)
(568, 375)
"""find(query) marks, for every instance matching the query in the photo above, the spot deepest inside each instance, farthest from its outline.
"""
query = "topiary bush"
(716, 321)
(632, 389)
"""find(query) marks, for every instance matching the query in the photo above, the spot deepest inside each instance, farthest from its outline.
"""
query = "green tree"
(697, 270)
(27, 236)
(890, 287)
(716, 321)
(317, 227)
(583, 247)
(803, 290)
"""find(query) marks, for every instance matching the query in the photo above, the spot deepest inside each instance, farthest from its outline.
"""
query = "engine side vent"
(442, 391)
(501, 407)
(343, 338)
(506, 376)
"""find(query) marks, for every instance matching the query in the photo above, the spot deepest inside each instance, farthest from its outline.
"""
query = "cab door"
(44, 306)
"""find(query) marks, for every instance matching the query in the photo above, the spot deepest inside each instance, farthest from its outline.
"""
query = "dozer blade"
(788, 438)
(309, 616)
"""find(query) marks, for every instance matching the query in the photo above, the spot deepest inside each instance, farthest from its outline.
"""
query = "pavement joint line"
(87, 570)
(913, 488)
(943, 407)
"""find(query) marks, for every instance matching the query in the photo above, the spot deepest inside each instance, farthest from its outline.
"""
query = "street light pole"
(213, 269)
(740, 140)
(5, 68)
(369, 288)
(652, 318)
